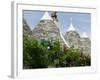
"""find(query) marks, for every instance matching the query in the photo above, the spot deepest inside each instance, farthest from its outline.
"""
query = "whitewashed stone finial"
(46, 16)
(71, 27)
(84, 35)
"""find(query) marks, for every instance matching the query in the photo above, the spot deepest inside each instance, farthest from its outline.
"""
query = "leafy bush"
(46, 53)
(35, 55)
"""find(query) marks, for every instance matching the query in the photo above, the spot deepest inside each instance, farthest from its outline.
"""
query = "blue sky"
(81, 21)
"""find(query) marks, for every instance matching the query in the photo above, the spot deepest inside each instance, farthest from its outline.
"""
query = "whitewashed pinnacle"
(71, 27)
(46, 16)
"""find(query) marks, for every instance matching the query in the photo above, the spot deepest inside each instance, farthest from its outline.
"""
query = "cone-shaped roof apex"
(46, 16)
(71, 27)
(84, 35)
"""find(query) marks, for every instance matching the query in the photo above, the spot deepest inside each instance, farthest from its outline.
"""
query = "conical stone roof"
(46, 29)
(85, 44)
(82, 42)
(26, 28)
(72, 37)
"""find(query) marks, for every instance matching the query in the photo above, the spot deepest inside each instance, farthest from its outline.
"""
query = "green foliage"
(47, 53)
(35, 55)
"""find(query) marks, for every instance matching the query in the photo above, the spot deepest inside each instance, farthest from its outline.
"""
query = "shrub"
(46, 53)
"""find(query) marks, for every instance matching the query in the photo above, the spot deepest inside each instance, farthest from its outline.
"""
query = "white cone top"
(46, 16)
(84, 35)
(71, 27)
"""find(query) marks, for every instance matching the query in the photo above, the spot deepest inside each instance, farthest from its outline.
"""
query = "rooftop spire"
(71, 19)
(84, 35)
(71, 27)
(46, 16)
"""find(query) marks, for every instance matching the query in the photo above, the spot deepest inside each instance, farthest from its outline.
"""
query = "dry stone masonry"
(48, 29)
(82, 43)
